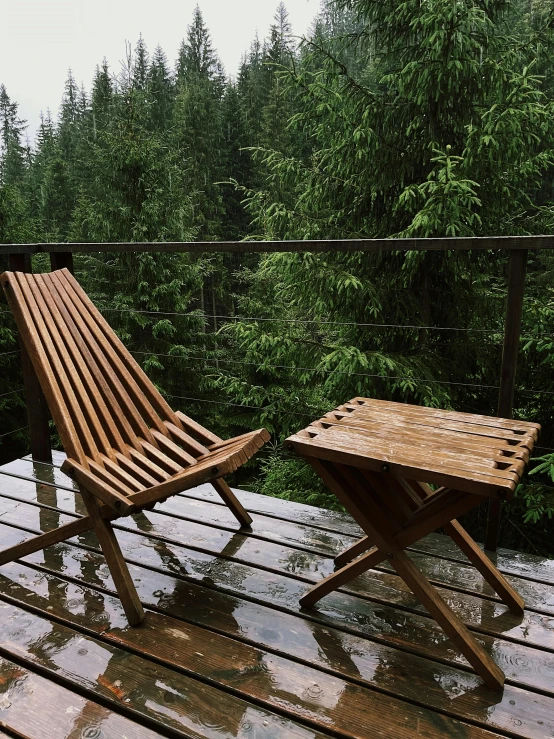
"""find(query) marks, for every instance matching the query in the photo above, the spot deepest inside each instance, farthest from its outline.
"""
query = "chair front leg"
(116, 563)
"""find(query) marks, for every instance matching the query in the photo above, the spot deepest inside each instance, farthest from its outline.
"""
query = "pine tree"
(12, 151)
(253, 89)
(141, 65)
(101, 99)
(394, 151)
(198, 126)
(161, 90)
(238, 166)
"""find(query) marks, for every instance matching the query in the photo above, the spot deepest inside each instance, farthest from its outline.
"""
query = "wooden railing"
(61, 255)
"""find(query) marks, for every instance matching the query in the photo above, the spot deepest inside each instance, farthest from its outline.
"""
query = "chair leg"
(341, 577)
(36, 543)
(474, 652)
(353, 551)
(483, 564)
(231, 501)
(115, 561)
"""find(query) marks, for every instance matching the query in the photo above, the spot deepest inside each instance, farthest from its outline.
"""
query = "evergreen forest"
(414, 118)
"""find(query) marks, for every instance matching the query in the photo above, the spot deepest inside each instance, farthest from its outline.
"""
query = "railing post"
(516, 285)
(37, 409)
(61, 259)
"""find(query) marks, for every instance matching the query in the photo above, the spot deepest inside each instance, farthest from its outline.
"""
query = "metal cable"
(299, 320)
(313, 369)
(326, 323)
(12, 392)
(237, 405)
(23, 428)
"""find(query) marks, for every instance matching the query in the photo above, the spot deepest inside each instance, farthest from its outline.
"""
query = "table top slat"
(498, 448)
(473, 418)
(470, 453)
(424, 422)
(366, 442)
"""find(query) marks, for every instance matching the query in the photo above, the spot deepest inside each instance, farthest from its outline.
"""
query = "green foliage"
(290, 478)
(419, 118)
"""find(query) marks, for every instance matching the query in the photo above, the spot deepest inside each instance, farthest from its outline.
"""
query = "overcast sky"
(41, 39)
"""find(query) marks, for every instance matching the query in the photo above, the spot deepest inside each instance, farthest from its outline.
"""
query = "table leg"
(483, 564)
(474, 652)
(365, 491)
(342, 576)
(353, 551)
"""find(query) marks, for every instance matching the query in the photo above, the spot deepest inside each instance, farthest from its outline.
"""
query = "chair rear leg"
(231, 501)
(36, 543)
(116, 563)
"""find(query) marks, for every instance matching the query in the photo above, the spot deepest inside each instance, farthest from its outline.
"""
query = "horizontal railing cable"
(12, 392)
(261, 365)
(306, 321)
(301, 321)
(7, 354)
(240, 405)
(14, 431)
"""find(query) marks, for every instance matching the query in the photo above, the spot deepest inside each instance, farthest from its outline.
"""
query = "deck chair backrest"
(100, 399)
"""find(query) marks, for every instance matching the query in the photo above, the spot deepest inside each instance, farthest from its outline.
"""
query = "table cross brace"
(394, 514)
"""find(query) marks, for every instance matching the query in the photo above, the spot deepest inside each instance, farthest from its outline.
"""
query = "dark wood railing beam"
(61, 260)
(477, 243)
(512, 331)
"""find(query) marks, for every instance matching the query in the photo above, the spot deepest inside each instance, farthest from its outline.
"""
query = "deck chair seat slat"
(172, 450)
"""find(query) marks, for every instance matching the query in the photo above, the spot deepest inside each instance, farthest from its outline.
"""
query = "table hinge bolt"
(385, 467)
(390, 555)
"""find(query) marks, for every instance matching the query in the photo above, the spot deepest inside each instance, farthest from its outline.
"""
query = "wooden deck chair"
(126, 448)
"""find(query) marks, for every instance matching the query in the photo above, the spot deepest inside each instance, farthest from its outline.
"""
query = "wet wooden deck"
(225, 651)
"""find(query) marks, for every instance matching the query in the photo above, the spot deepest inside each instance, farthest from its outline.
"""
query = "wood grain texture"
(34, 707)
(35, 402)
(336, 653)
(246, 603)
(154, 694)
(377, 458)
(127, 448)
(382, 617)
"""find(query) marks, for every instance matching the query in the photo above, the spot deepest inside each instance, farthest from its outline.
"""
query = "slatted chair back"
(103, 404)
(127, 449)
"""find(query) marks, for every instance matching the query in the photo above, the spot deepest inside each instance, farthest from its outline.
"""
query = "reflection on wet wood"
(36, 708)
(509, 562)
(193, 649)
(378, 664)
(158, 695)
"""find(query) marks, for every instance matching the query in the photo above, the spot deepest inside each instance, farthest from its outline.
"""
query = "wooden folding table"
(403, 471)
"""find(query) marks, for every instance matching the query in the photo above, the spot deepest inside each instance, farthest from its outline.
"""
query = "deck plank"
(175, 642)
(155, 693)
(194, 569)
(508, 561)
(33, 707)
(382, 587)
(401, 664)
(449, 573)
